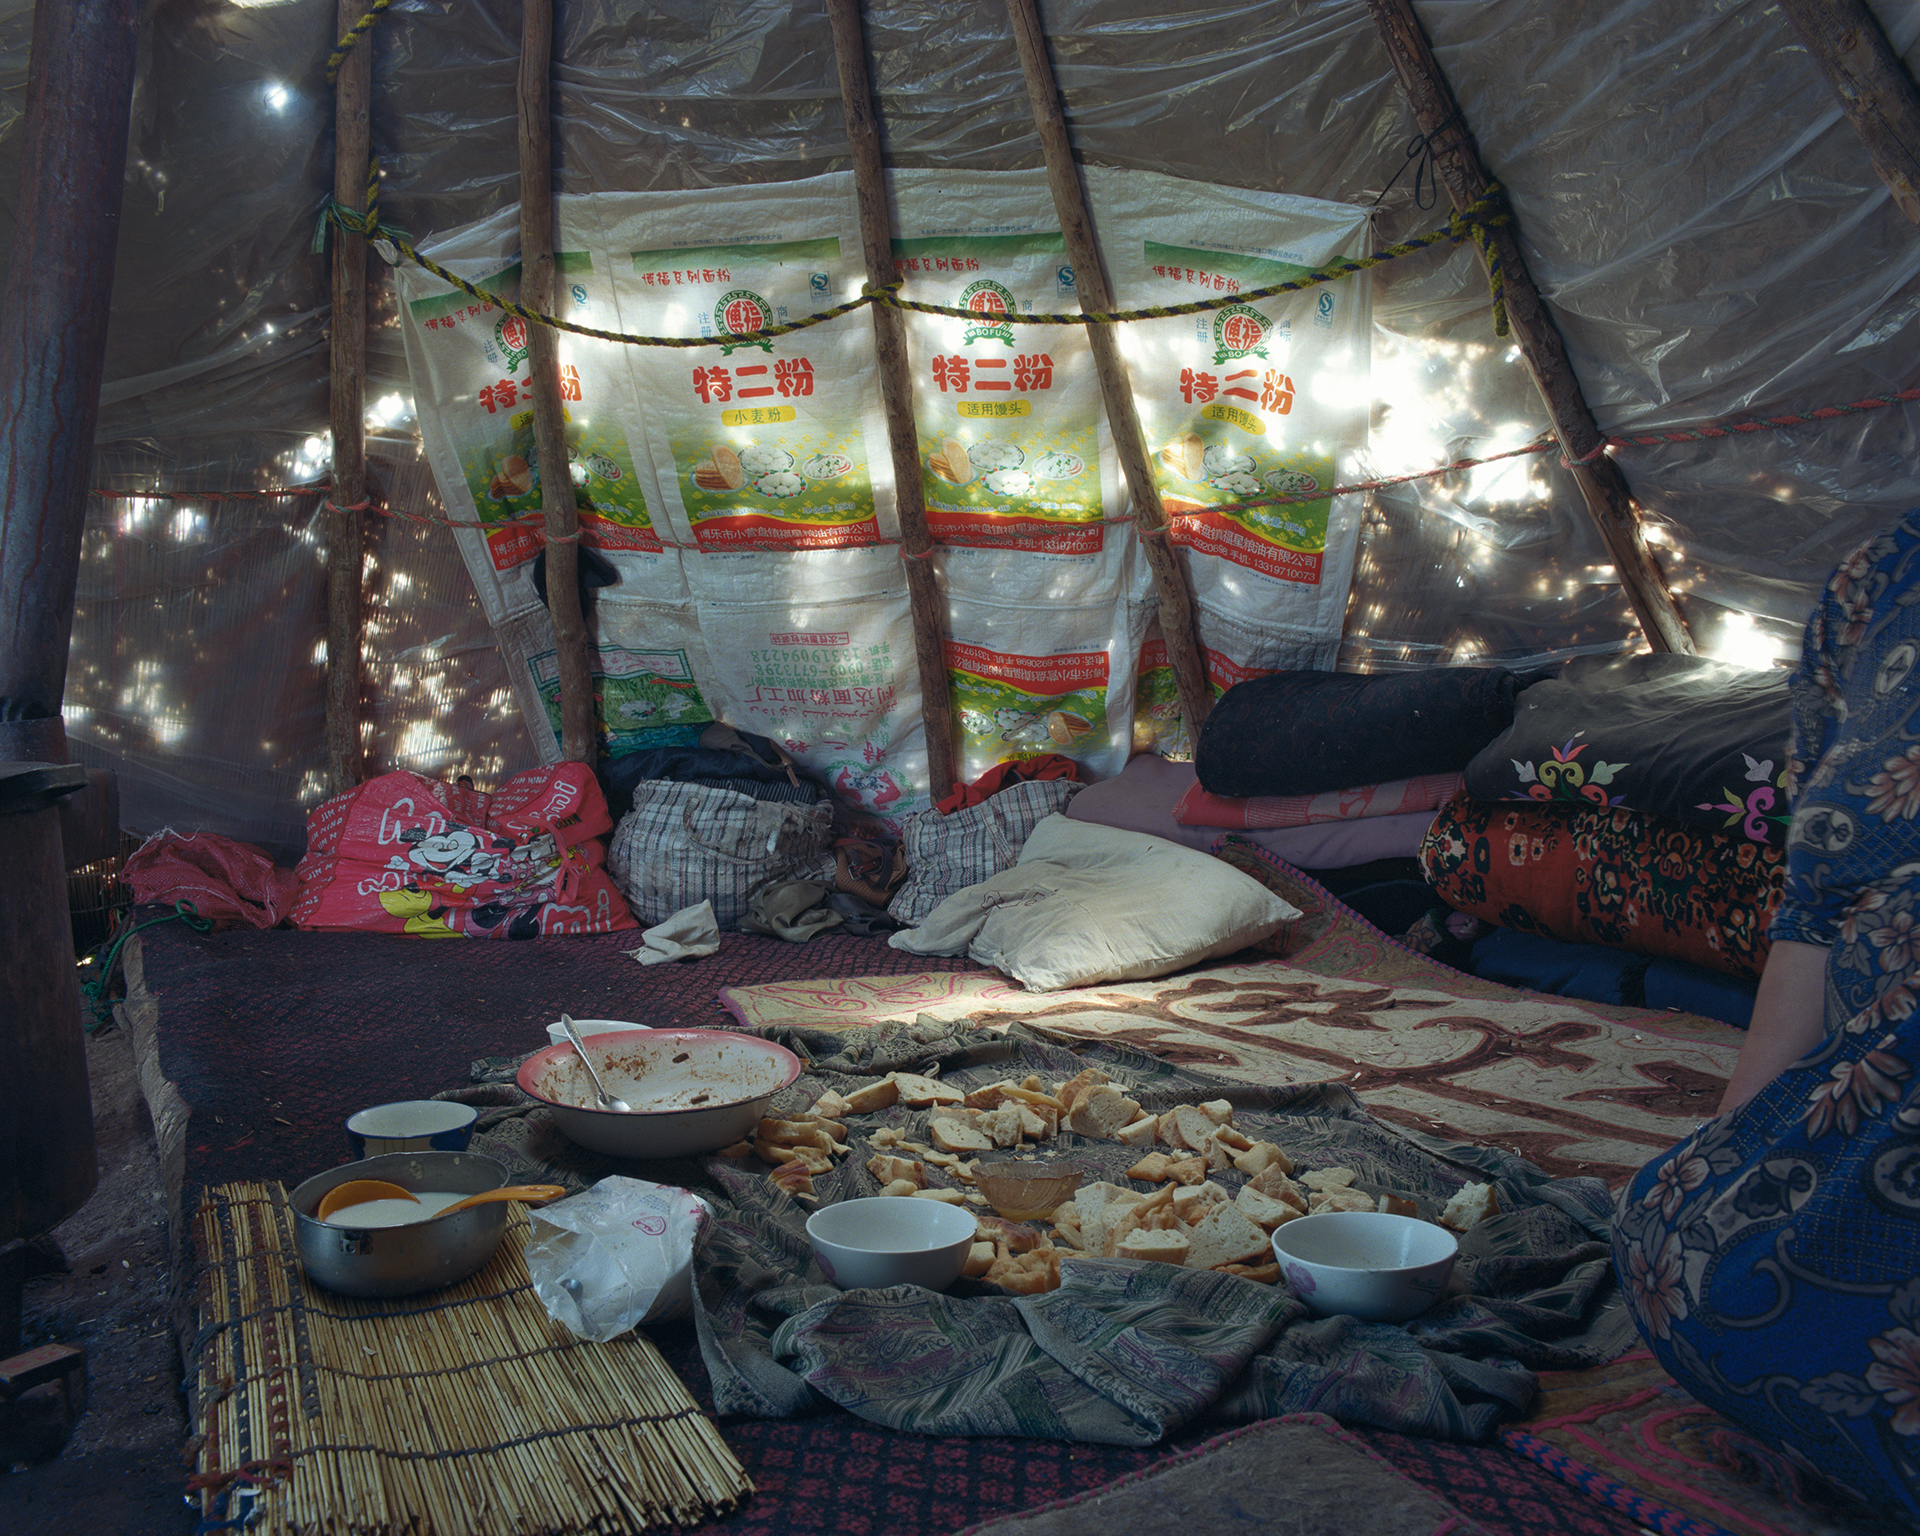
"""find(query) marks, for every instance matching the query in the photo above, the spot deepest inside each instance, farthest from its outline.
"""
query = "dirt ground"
(120, 1467)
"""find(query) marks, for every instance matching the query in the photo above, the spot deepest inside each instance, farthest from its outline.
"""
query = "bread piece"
(777, 1152)
(1189, 1170)
(796, 1179)
(881, 1095)
(1261, 1156)
(1027, 1274)
(1101, 1112)
(1142, 1133)
(1152, 1168)
(1328, 1178)
(1474, 1203)
(1100, 1205)
(919, 1091)
(885, 1167)
(1340, 1197)
(1267, 1273)
(1219, 1155)
(1397, 1205)
(958, 1136)
(1078, 1084)
(1275, 1183)
(1031, 1095)
(736, 1149)
(1003, 1126)
(900, 1187)
(831, 1105)
(1014, 1235)
(1263, 1210)
(1194, 1201)
(1219, 1111)
(1039, 1124)
(1146, 1215)
(1164, 1247)
(979, 1260)
(1192, 1127)
(989, 1097)
(1225, 1236)
(945, 1196)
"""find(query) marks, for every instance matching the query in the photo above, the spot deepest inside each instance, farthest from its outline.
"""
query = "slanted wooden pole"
(1170, 582)
(347, 529)
(896, 388)
(1609, 502)
(578, 739)
(53, 348)
(1873, 85)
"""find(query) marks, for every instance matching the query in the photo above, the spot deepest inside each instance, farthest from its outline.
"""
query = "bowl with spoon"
(685, 1090)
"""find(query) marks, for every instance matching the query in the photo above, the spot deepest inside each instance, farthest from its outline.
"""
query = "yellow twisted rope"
(353, 35)
(1472, 223)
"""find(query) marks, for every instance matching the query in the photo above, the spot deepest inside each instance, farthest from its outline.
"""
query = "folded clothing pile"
(1636, 802)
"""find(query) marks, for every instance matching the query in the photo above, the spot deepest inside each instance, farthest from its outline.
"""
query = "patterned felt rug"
(1573, 1087)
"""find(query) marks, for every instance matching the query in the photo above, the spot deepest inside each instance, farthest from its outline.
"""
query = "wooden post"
(347, 530)
(927, 606)
(1873, 85)
(53, 346)
(1171, 586)
(1609, 501)
(579, 742)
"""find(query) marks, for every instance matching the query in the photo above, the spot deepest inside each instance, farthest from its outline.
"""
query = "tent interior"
(1702, 365)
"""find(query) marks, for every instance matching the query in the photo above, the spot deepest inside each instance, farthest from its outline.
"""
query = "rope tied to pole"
(352, 35)
(1473, 223)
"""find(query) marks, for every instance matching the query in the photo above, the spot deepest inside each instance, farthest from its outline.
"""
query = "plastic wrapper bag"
(619, 1255)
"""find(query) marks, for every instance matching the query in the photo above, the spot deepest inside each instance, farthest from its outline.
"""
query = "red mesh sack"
(228, 882)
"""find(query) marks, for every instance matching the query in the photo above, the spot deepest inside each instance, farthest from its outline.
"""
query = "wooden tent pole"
(1170, 581)
(896, 387)
(53, 338)
(1609, 501)
(1873, 85)
(347, 372)
(578, 740)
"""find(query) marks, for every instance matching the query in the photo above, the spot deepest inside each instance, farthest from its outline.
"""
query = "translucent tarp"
(1702, 220)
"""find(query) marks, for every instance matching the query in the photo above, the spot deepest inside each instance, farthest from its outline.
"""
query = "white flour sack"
(1010, 422)
(815, 650)
(776, 444)
(1250, 400)
(1029, 680)
(471, 373)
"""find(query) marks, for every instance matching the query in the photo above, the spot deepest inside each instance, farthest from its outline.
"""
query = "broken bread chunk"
(1474, 1203)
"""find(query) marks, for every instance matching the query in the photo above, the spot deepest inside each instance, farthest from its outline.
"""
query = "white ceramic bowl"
(411, 1125)
(558, 1036)
(891, 1240)
(1365, 1264)
(692, 1090)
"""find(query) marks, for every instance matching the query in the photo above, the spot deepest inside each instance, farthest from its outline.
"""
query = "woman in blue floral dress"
(1772, 1258)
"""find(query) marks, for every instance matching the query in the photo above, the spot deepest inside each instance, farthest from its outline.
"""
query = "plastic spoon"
(358, 1191)
(607, 1100)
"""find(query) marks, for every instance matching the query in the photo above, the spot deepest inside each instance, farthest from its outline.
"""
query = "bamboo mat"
(466, 1411)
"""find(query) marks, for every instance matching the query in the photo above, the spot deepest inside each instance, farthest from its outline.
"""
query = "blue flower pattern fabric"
(1772, 1259)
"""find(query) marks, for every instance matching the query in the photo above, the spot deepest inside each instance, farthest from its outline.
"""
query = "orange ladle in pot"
(357, 1191)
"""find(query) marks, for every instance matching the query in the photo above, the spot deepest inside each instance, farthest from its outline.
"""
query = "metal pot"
(402, 1261)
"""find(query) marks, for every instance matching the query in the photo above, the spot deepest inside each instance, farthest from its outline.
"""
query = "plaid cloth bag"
(687, 843)
(948, 853)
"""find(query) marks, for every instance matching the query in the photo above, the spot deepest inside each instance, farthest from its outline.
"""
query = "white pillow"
(1089, 903)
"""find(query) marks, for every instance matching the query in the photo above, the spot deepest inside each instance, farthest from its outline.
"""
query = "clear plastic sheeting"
(1702, 220)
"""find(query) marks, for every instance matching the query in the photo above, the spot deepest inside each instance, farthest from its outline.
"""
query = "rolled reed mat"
(466, 1411)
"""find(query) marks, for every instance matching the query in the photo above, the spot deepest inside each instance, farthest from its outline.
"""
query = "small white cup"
(411, 1125)
(558, 1036)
